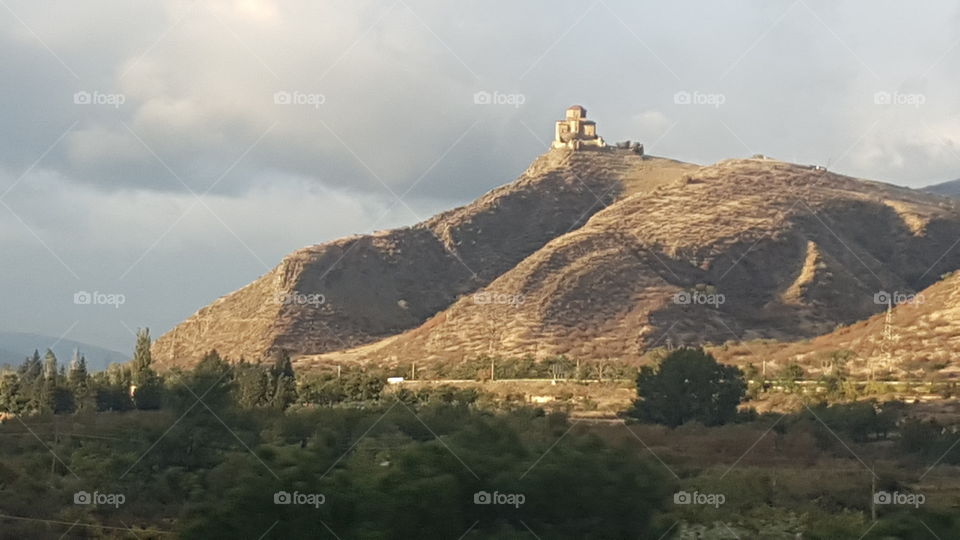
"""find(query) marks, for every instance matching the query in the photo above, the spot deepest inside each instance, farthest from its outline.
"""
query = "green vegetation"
(400, 469)
(238, 450)
(688, 385)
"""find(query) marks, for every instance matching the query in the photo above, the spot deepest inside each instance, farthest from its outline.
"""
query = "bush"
(689, 384)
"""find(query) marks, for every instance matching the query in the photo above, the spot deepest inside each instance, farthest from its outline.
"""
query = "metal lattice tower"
(888, 339)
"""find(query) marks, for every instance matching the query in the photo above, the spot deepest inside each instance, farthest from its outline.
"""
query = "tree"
(252, 387)
(50, 365)
(792, 372)
(284, 382)
(141, 355)
(212, 381)
(78, 380)
(77, 377)
(146, 392)
(689, 384)
(49, 399)
(32, 368)
(12, 399)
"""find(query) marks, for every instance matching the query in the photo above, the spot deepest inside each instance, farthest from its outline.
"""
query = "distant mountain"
(15, 346)
(947, 189)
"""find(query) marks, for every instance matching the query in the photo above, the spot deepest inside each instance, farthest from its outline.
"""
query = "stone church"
(576, 132)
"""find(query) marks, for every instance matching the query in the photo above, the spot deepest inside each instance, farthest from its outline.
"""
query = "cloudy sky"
(172, 151)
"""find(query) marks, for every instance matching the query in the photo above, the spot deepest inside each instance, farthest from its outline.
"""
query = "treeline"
(45, 386)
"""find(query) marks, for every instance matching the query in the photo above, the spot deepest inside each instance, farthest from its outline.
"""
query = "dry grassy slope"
(381, 284)
(795, 251)
(926, 333)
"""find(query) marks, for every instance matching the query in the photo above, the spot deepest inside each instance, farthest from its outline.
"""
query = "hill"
(739, 250)
(15, 346)
(917, 339)
(947, 189)
(360, 289)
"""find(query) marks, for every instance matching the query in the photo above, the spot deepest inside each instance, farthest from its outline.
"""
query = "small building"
(576, 132)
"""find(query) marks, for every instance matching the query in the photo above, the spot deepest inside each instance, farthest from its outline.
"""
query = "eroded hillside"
(917, 338)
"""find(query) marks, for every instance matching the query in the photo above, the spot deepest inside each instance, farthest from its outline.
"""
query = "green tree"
(78, 380)
(792, 372)
(284, 385)
(78, 377)
(212, 380)
(147, 387)
(252, 385)
(32, 368)
(689, 384)
(47, 397)
(50, 365)
(12, 399)
(141, 355)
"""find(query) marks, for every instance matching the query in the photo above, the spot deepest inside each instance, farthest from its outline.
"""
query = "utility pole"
(413, 371)
(338, 372)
